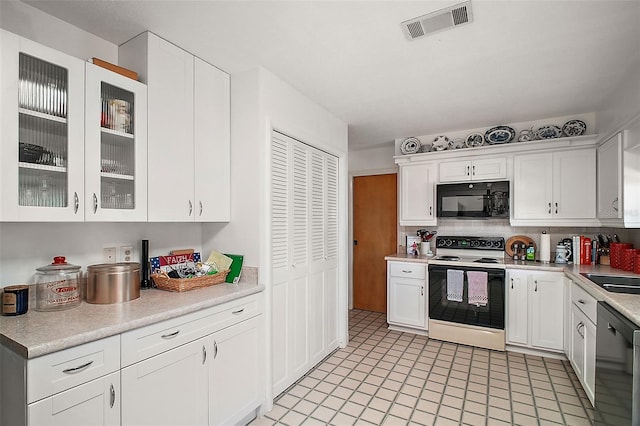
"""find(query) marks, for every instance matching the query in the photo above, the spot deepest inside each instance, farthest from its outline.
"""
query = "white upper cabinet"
(115, 147)
(41, 133)
(610, 180)
(417, 194)
(212, 148)
(493, 168)
(188, 131)
(557, 187)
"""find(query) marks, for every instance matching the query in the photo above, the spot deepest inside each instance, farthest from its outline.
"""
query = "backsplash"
(26, 246)
(502, 228)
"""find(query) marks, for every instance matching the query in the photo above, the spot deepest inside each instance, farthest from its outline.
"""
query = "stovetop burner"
(449, 258)
(486, 260)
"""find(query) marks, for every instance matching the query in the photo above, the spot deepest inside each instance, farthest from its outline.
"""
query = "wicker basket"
(163, 282)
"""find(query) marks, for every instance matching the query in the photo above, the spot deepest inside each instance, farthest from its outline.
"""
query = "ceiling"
(517, 61)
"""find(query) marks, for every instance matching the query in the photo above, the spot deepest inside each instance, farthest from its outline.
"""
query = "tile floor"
(392, 378)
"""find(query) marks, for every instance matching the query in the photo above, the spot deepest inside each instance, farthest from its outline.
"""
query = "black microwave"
(473, 200)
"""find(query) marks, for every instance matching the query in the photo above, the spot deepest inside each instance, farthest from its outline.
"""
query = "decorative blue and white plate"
(440, 143)
(474, 139)
(410, 146)
(499, 134)
(574, 128)
(548, 132)
(456, 143)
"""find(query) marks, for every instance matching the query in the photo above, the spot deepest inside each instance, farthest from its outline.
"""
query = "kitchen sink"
(615, 284)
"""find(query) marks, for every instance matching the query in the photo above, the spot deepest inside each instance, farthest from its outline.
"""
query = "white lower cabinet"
(535, 309)
(407, 295)
(203, 368)
(582, 352)
(94, 403)
(167, 389)
(235, 381)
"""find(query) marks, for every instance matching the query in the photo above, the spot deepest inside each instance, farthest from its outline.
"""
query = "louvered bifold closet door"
(304, 206)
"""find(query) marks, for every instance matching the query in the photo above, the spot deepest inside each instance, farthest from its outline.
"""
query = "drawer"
(583, 300)
(145, 342)
(59, 371)
(407, 270)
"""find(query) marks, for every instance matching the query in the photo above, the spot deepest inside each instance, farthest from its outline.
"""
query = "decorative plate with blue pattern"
(548, 132)
(410, 146)
(574, 128)
(499, 134)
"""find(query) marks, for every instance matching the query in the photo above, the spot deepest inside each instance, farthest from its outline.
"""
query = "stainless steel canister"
(113, 282)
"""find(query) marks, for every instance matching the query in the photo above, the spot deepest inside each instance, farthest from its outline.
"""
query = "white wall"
(259, 101)
(29, 22)
(27, 246)
(622, 105)
(373, 160)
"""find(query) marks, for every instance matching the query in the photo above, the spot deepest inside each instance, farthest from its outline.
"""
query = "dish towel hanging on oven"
(478, 288)
(455, 283)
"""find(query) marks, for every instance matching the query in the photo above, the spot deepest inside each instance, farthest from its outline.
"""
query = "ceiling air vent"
(439, 20)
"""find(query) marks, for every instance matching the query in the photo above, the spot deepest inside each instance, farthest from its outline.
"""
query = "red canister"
(636, 265)
(615, 252)
(627, 259)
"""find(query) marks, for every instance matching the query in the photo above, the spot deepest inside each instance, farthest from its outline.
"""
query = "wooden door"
(375, 226)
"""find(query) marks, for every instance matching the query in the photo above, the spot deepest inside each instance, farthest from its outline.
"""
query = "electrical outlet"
(109, 255)
(125, 254)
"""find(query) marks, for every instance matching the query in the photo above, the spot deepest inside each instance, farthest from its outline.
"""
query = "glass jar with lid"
(57, 285)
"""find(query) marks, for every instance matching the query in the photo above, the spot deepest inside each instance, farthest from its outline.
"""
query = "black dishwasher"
(617, 389)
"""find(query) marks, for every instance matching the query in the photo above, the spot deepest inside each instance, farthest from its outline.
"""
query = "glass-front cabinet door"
(115, 147)
(41, 136)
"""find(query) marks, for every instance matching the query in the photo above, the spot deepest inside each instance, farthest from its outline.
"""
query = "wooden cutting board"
(520, 239)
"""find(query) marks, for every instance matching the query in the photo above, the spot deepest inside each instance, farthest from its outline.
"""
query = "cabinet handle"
(200, 207)
(511, 283)
(95, 203)
(549, 208)
(430, 210)
(239, 311)
(556, 208)
(170, 335)
(614, 205)
(77, 369)
(76, 203)
(190, 207)
(215, 349)
(582, 302)
(407, 271)
(421, 290)
(204, 354)
(579, 328)
(473, 170)
(536, 289)
(112, 398)
(468, 170)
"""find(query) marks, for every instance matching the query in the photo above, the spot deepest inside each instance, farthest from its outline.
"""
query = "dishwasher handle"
(618, 323)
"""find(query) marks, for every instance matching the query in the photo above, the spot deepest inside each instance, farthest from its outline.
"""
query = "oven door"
(443, 309)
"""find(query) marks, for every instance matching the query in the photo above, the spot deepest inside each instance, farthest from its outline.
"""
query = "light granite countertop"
(39, 333)
(627, 304)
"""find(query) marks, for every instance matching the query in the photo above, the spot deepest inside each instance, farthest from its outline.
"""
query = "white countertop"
(627, 304)
(38, 333)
